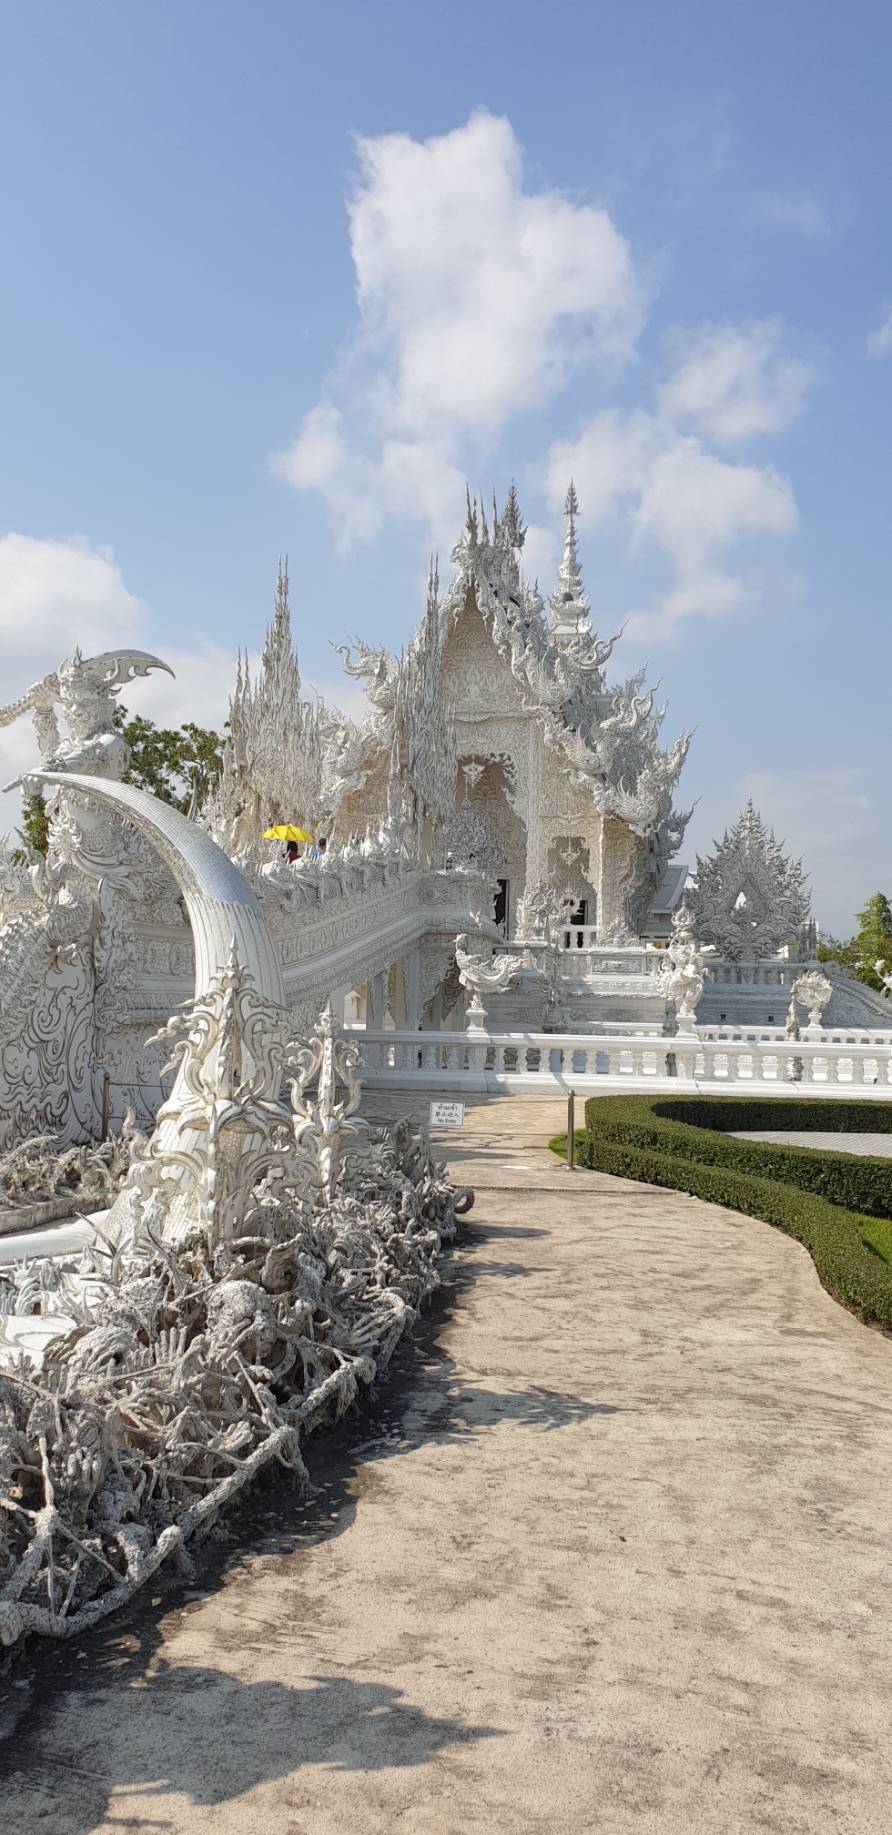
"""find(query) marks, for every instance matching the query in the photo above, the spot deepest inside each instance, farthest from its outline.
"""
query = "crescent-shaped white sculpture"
(221, 905)
(226, 920)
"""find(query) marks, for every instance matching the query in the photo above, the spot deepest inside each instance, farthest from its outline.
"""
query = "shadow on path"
(200, 1731)
(202, 1735)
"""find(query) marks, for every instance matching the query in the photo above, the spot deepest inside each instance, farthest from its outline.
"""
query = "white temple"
(499, 795)
(565, 776)
(496, 907)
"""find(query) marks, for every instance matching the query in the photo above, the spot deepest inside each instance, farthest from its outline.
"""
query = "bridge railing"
(547, 1061)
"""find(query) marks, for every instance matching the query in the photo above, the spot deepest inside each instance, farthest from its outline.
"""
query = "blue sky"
(282, 276)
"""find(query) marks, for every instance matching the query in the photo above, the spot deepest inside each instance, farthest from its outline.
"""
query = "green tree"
(171, 762)
(874, 938)
(35, 829)
(871, 943)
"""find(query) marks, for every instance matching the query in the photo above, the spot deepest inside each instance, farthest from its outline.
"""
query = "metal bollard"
(571, 1129)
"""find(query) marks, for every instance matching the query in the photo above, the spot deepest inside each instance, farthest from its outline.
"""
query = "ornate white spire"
(433, 586)
(748, 898)
(512, 521)
(569, 602)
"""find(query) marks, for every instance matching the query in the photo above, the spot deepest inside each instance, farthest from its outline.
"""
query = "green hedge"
(820, 1198)
(794, 1115)
(694, 1127)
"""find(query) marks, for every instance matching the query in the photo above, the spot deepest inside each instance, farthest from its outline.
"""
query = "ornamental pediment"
(478, 679)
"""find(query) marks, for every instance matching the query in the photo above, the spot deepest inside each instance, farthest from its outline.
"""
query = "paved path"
(614, 1557)
(878, 1145)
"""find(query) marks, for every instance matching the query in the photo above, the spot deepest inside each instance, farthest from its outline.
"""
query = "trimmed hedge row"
(643, 1137)
(799, 1115)
(693, 1129)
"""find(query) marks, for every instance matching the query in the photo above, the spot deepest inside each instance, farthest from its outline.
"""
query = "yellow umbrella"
(286, 832)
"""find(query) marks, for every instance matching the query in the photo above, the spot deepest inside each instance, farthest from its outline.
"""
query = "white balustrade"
(833, 1063)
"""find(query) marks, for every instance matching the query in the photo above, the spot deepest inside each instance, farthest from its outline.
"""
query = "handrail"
(642, 1061)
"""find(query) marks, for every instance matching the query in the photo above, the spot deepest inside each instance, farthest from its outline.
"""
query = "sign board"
(447, 1114)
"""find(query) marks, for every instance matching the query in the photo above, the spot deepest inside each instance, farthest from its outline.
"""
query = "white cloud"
(407, 478)
(542, 553)
(694, 502)
(879, 343)
(480, 298)
(56, 595)
(609, 460)
(59, 595)
(666, 490)
(477, 299)
(733, 381)
(793, 210)
(204, 681)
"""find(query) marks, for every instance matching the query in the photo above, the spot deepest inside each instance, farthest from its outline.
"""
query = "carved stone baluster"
(376, 998)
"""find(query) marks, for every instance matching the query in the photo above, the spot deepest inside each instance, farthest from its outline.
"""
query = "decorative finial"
(569, 603)
(433, 584)
(282, 586)
(512, 521)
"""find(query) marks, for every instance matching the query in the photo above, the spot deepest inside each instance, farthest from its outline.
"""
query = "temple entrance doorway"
(569, 871)
(578, 917)
(490, 786)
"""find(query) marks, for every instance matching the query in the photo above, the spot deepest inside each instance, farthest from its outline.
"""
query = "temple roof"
(609, 736)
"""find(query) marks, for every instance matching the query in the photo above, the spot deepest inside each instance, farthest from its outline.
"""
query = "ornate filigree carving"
(482, 975)
(748, 898)
(468, 840)
(541, 912)
(814, 991)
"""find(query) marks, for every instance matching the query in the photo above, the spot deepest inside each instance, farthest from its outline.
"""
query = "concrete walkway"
(612, 1555)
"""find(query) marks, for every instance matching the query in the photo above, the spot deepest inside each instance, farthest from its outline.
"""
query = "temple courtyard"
(609, 1552)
